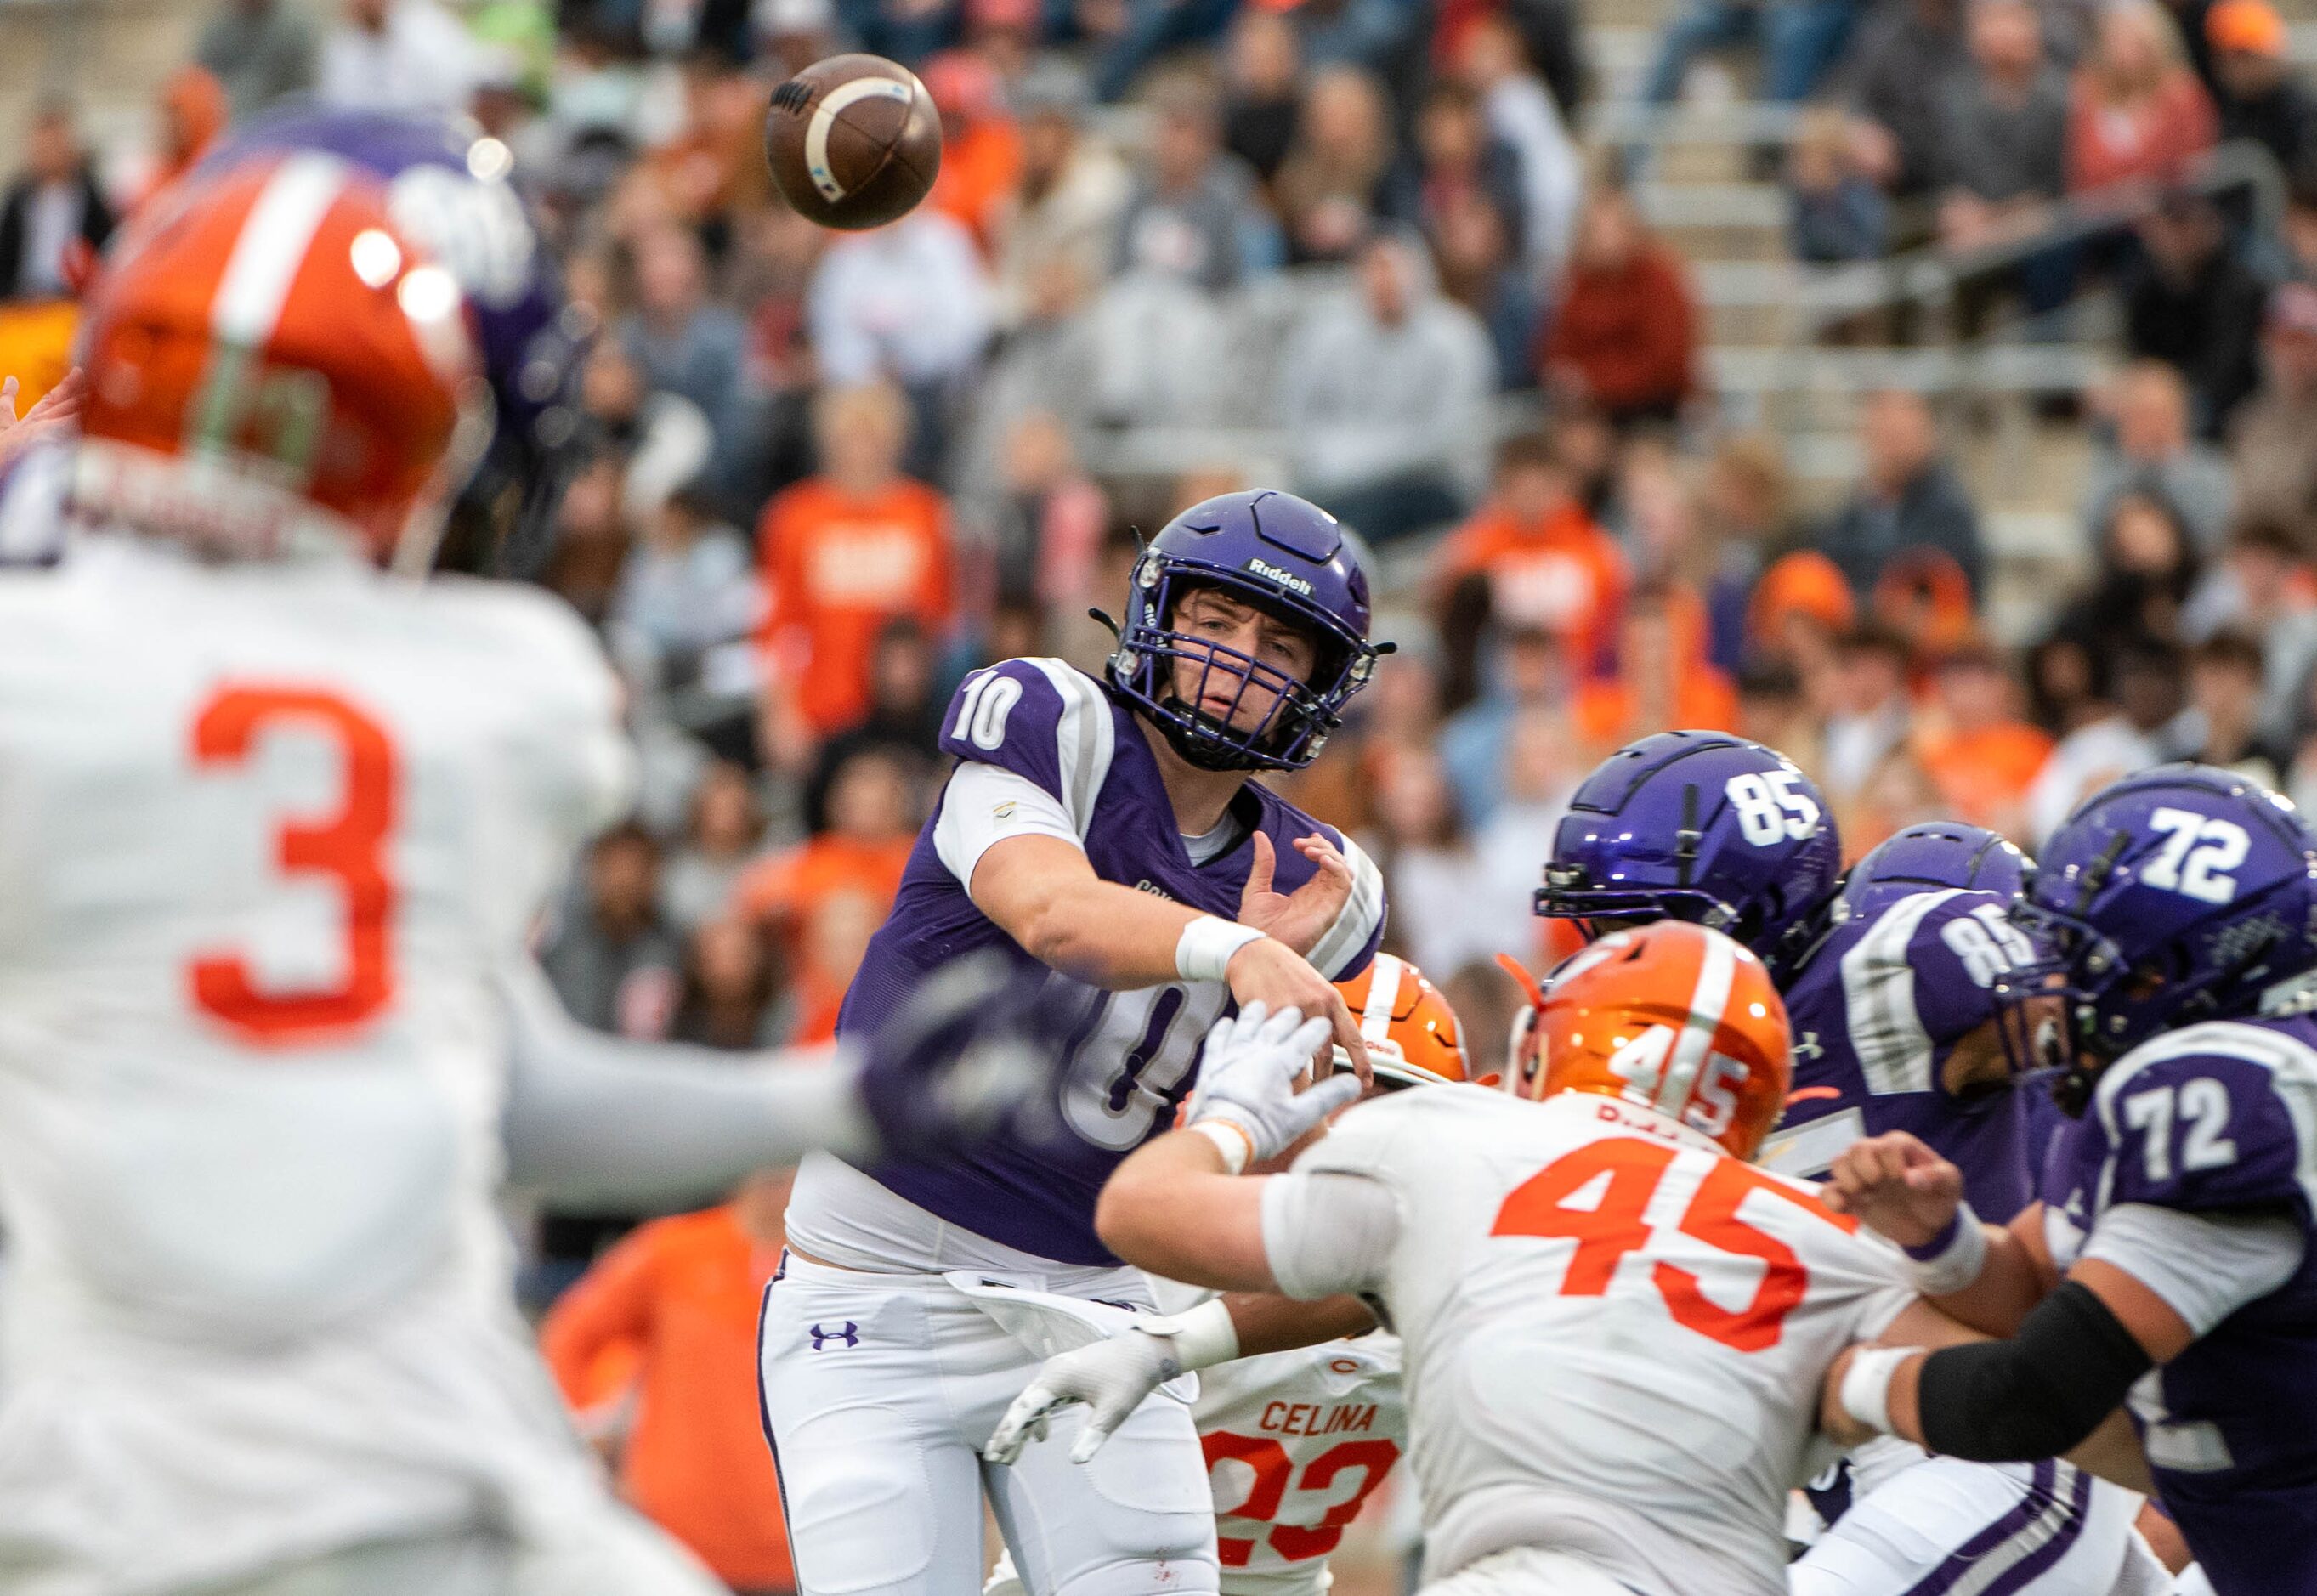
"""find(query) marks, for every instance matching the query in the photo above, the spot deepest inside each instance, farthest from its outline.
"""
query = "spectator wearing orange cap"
(676, 1302)
(982, 149)
(2258, 94)
(1547, 566)
(1664, 680)
(1800, 608)
(1978, 752)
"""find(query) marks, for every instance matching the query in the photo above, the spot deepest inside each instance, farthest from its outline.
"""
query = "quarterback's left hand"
(972, 1052)
(1248, 1074)
(1111, 1376)
(1299, 918)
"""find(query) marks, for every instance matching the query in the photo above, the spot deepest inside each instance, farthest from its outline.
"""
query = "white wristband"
(1203, 1337)
(1203, 951)
(1235, 1145)
(1960, 1255)
(1867, 1385)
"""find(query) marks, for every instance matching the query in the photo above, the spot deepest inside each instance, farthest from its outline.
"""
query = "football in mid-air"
(853, 141)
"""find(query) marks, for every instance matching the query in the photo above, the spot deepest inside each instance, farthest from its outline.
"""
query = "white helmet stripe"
(1384, 997)
(1715, 974)
(271, 247)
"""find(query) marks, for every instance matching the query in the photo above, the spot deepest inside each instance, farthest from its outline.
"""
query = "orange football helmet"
(1412, 1034)
(1667, 1016)
(272, 366)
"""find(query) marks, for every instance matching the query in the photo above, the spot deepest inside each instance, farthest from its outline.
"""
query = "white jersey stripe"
(1715, 974)
(273, 245)
(1878, 988)
(1084, 740)
(1356, 922)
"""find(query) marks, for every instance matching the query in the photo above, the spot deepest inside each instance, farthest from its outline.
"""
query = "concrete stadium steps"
(107, 57)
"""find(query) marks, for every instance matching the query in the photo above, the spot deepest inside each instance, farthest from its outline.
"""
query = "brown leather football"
(853, 141)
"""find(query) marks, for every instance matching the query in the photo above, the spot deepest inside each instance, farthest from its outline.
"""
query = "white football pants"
(880, 1391)
(1940, 1524)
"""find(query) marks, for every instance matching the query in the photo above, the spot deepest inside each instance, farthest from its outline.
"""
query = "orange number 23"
(1626, 1173)
(349, 845)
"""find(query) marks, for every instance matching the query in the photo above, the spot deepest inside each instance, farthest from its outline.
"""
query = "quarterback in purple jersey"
(2168, 1265)
(1891, 978)
(1103, 834)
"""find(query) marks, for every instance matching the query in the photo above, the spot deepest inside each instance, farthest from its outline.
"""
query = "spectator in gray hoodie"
(1386, 396)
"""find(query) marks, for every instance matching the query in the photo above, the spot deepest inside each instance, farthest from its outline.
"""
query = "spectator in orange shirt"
(1664, 680)
(677, 1302)
(1549, 566)
(813, 897)
(1983, 757)
(845, 552)
(981, 149)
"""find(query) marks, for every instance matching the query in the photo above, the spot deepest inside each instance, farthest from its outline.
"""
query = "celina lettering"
(1312, 1418)
(1286, 579)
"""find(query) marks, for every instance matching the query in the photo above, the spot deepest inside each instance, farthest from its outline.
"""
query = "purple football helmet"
(1700, 826)
(451, 188)
(1931, 856)
(1287, 557)
(2181, 893)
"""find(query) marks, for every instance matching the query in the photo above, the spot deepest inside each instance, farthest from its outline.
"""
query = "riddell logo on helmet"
(1286, 579)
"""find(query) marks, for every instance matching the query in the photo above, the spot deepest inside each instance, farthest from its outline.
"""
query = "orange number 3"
(349, 846)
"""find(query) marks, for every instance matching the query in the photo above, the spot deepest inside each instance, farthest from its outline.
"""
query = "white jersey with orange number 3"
(268, 836)
(1615, 1333)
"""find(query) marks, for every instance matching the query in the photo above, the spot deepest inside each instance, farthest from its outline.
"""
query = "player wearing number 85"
(2176, 1212)
(1107, 832)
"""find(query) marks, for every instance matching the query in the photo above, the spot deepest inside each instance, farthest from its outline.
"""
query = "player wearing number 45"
(1892, 978)
(2168, 1262)
(1107, 832)
(1613, 1325)
(274, 826)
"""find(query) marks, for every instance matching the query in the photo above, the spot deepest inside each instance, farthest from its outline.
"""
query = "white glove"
(1248, 1074)
(1111, 1376)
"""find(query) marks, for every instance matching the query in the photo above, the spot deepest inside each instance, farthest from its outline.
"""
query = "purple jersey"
(1876, 1009)
(2221, 1116)
(1133, 1056)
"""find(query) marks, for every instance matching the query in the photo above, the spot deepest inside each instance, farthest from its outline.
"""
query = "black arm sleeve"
(2035, 1396)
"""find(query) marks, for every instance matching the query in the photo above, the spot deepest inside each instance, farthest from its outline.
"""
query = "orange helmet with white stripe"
(1412, 1034)
(1667, 1016)
(273, 366)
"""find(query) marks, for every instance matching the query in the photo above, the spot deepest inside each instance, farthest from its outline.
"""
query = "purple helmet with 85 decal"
(1930, 857)
(1286, 556)
(2181, 893)
(451, 188)
(1700, 826)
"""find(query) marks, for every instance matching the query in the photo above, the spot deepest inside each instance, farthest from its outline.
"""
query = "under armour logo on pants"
(850, 1335)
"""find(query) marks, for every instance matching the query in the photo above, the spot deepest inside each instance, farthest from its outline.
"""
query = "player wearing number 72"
(1107, 832)
(2169, 1258)
(1615, 1326)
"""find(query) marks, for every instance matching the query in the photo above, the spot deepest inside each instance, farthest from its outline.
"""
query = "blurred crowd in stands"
(1354, 247)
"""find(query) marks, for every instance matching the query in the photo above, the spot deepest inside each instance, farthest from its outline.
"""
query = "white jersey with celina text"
(1615, 1333)
(1296, 1443)
(269, 834)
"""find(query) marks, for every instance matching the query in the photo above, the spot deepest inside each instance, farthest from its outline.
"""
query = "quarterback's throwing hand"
(1246, 1079)
(1111, 1376)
